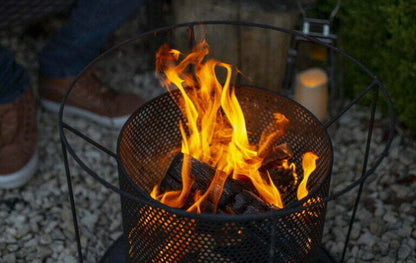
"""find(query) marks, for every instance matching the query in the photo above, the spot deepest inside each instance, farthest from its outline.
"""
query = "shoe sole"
(21, 177)
(116, 122)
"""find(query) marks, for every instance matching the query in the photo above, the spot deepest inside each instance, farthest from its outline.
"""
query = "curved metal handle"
(331, 16)
(334, 11)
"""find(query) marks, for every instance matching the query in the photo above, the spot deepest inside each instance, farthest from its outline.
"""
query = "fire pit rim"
(293, 207)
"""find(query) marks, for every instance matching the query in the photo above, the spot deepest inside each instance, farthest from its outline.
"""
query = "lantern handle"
(331, 16)
(301, 9)
(334, 11)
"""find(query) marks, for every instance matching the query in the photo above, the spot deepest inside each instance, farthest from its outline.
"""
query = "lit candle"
(311, 90)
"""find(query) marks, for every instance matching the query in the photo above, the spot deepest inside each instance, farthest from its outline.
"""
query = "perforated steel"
(157, 233)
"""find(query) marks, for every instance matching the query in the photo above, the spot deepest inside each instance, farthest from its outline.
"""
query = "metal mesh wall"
(162, 234)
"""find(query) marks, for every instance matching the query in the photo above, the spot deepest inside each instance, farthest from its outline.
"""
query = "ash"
(36, 222)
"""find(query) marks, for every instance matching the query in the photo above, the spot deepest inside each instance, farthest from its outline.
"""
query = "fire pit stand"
(289, 234)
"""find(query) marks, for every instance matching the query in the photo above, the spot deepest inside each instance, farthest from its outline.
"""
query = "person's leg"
(18, 158)
(82, 38)
(14, 79)
(78, 42)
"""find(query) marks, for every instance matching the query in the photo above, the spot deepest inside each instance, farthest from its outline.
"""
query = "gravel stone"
(44, 252)
(45, 240)
(368, 256)
(12, 247)
(355, 233)
(366, 239)
(404, 251)
(390, 218)
(9, 258)
(387, 260)
(395, 244)
(383, 247)
(376, 228)
(31, 243)
(89, 221)
(65, 257)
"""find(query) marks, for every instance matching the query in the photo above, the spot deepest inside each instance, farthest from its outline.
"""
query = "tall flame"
(215, 129)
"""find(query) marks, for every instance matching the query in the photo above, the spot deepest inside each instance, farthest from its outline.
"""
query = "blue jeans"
(77, 43)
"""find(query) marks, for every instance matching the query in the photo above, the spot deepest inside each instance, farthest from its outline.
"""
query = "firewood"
(246, 202)
(282, 177)
(202, 175)
(236, 196)
(231, 189)
(276, 156)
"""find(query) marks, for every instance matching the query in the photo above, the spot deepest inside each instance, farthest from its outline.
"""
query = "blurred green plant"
(382, 35)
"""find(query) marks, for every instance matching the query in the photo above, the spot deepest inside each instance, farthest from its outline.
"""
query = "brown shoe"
(18, 156)
(89, 98)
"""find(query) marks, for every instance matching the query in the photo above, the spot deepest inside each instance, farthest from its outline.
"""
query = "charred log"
(236, 198)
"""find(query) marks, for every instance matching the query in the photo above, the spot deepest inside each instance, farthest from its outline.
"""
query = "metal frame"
(375, 86)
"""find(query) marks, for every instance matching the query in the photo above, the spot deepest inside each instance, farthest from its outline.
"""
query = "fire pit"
(155, 232)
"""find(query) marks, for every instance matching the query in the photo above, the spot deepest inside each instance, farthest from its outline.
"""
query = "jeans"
(77, 43)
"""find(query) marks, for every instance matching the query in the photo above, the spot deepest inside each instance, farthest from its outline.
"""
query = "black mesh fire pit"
(154, 232)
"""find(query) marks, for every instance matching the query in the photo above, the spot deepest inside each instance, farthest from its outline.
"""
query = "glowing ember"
(215, 132)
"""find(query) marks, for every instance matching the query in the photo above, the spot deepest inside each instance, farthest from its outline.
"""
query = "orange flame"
(308, 165)
(215, 130)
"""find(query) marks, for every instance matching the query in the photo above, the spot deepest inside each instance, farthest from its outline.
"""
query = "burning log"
(276, 164)
(276, 157)
(248, 203)
(236, 197)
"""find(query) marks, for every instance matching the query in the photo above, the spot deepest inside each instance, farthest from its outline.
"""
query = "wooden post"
(260, 54)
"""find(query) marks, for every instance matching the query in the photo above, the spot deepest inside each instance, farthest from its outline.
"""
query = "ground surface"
(36, 222)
